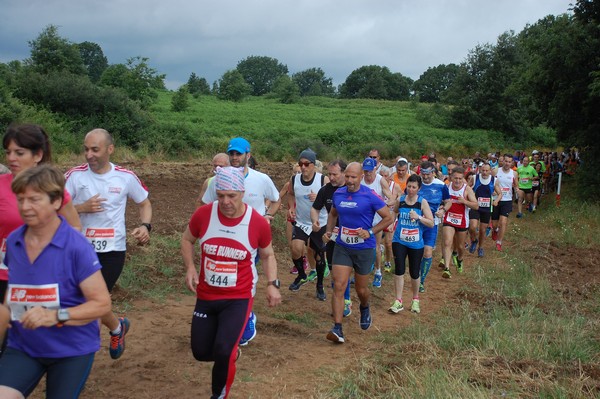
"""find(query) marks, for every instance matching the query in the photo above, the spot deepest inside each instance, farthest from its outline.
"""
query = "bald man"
(100, 191)
(219, 160)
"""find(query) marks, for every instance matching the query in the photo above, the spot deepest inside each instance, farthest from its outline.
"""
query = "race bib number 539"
(102, 239)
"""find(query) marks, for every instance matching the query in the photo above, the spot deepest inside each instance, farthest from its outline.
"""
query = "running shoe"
(473, 246)
(480, 252)
(446, 273)
(442, 264)
(336, 335)
(249, 330)
(414, 306)
(396, 307)
(387, 266)
(298, 282)
(117, 342)
(312, 275)
(321, 293)
(365, 318)
(459, 266)
(494, 234)
(519, 215)
(455, 259)
(347, 307)
(293, 270)
(377, 281)
(488, 231)
(421, 287)
(498, 247)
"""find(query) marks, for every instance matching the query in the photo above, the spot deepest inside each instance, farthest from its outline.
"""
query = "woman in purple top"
(55, 294)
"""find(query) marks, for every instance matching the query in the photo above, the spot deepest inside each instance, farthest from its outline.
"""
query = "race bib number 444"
(102, 239)
(220, 274)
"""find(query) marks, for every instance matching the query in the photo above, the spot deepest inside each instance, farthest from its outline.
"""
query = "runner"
(335, 172)
(526, 175)
(303, 192)
(484, 187)
(413, 213)
(389, 231)
(456, 219)
(374, 154)
(432, 190)
(356, 206)
(260, 189)
(221, 159)
(506, 180)
(401, 174)
(100, 191)
(61, 286)
(289, 225)
(380, 186)
(230, 234)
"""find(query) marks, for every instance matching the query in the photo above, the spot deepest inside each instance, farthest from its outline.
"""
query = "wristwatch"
(62, 316)
(148, 226)
(275, 283)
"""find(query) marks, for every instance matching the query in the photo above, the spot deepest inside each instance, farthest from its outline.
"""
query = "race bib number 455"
(220, 274)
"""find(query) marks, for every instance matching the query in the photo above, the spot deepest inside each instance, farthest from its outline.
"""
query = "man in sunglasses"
(303, 189)
(374, 154)
(219, 160)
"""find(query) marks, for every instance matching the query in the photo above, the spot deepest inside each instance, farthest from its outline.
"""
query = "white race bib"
(409, 235)
(102, 239)
(454, 219)
(535, 183)
(22, 297)
(220, 274)
(334, 233)
(350, 236)
(305, 228)
(525, 180)
(484, 202)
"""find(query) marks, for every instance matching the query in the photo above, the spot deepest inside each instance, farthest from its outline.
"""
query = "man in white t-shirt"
(100, 191)
(259, 190)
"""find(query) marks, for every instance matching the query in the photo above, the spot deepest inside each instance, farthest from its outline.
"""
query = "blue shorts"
(362, 260)
(430, 235)
(65, 376)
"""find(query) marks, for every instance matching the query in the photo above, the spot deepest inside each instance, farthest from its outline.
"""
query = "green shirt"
(526, 175)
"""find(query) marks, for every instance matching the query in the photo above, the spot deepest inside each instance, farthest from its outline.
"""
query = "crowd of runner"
(352, 223)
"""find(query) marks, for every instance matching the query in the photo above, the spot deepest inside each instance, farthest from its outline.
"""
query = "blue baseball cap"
(239, 144)
(369, 164)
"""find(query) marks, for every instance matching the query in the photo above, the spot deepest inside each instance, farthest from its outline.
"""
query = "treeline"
(537, 85)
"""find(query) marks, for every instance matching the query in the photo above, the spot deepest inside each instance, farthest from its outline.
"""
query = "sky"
(210, 37)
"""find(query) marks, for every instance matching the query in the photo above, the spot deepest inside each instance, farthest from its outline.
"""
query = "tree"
(312, 82)
(376, 82)
(94, 60)
(233, 87)
(286, 89)
(50, 52)
(136, 78)
(434, 82)
(197, 86)
(261, 73)
(179, 102)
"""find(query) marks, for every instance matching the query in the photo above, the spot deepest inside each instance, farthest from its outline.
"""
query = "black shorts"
(314, 240)
(483, 217)
(361, 260)
(458, 229)
(112, 265)
(526, 190)
(504, 208)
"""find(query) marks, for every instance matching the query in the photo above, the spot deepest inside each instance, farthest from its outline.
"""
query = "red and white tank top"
(227, 269)
(457, 215)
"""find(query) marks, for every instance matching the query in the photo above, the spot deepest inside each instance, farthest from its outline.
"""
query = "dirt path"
(288, 358)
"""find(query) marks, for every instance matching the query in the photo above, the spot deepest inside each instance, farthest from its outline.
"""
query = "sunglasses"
(305, 164)
(373, 156)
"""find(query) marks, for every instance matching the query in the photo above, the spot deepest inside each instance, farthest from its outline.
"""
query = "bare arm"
(96, 305)
(187, 253)
(71, 215)
(199, 202)
(269, 265)
(141, 234)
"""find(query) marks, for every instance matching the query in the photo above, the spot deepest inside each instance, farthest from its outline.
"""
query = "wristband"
(371, 232)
